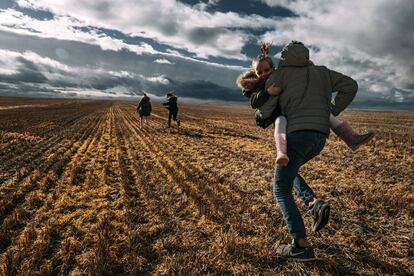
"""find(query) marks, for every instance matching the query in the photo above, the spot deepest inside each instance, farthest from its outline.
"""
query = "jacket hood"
(247, 80)
(294, 54)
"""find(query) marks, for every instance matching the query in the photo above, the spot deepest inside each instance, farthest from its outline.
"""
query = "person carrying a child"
(302, 92)
(257, 79)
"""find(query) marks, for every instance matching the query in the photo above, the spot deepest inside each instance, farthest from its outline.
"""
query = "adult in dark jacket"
(171, 105)
(306, 102)
(144, 109)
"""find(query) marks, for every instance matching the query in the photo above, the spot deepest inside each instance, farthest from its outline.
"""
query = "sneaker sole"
(301, 259)
(323, 218)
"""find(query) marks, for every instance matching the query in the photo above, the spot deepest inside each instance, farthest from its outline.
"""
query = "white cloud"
(158, 79)
(371, 39)
(65, 28)
(163, 61)
(34, 75)
(116, 92)
(167, 21)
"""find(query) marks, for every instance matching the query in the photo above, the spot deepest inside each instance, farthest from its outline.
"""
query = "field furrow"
(40, 202)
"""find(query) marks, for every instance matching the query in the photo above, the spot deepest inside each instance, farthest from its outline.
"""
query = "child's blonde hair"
(248, 79)
(264, 48)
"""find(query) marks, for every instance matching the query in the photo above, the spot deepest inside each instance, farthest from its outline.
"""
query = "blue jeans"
(302, 146)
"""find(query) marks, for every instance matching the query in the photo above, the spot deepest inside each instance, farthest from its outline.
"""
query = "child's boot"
(350, 137)
(282, 158)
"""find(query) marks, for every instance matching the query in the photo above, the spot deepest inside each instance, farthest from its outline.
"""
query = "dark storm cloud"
(28, 90)
(168, 28)
(208, 90)
(203, 35)
(35, 74)
(90, 56)
(197, 89)
(27, 72)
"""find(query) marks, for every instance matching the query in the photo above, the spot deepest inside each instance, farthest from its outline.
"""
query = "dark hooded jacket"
(307, 91)
(171, 104)
(144, 106)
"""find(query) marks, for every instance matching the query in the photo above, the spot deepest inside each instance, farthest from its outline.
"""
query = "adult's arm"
(346, 88)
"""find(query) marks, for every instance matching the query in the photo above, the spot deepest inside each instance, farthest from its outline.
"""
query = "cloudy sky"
(96, 48)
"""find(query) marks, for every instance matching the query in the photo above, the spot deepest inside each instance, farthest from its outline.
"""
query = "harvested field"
(84, 190)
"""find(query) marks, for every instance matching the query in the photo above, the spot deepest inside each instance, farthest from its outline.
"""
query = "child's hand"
(273, 90)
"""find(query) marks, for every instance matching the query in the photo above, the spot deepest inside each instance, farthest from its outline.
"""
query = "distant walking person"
(144, 109)
(171, 105)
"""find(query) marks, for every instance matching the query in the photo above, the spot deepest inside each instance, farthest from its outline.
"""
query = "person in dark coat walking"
(171, 105)
(144, 109)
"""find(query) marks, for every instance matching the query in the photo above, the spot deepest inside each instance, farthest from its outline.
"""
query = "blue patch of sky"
(245, 7)
(5, 4)
(37, 14)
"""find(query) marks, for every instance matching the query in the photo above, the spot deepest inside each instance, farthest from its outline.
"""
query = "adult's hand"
(273, 90)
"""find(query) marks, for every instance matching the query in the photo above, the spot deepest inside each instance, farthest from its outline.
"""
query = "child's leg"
(281, 141)
(344, 131)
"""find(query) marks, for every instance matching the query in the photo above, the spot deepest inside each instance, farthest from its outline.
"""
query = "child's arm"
(260, 97)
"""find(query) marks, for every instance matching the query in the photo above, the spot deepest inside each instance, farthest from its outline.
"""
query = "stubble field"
(84, 190)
